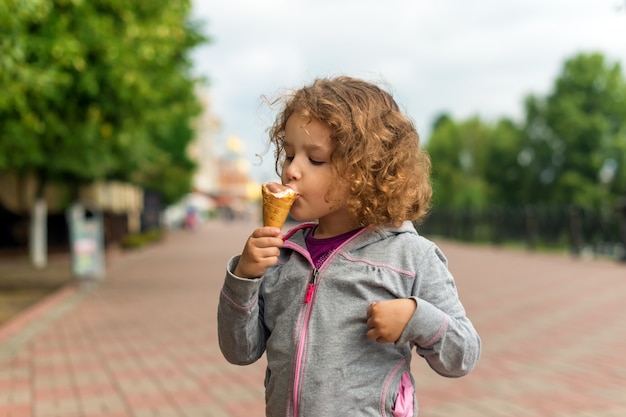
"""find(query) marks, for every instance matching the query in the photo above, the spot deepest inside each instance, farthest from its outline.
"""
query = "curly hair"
(375, 148)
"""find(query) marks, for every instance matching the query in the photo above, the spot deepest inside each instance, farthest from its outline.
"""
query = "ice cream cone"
(277, 201)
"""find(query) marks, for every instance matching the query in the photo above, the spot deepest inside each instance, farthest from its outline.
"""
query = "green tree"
(94, 89)
(570, 148)
(173, 176)
(575, 137)
(503, 167)
(459, 155)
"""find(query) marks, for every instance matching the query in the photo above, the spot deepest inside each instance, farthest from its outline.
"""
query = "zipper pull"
(311, 286)
(309, 293)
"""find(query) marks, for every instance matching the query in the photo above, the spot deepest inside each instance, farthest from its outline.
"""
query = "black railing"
(600, 231)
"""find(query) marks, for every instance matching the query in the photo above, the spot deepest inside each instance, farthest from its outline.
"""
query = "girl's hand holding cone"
(263, 246)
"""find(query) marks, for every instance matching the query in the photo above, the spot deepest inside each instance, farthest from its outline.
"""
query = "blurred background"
(150, 115)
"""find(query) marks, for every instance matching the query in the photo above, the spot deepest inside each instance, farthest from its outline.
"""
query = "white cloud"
(465, 58)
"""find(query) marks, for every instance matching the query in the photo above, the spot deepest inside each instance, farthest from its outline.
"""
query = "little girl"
(337, 305)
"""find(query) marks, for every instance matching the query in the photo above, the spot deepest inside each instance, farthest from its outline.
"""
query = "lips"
(289, 186)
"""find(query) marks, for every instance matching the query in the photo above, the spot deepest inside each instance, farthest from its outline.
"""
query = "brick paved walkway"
(144, 342)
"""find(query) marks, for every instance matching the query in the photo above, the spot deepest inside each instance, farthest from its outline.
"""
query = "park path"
(143, 343)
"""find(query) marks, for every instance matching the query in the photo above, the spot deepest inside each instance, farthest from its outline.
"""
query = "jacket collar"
(369, 235)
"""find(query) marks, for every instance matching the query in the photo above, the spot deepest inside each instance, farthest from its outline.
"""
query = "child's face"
(307, 169)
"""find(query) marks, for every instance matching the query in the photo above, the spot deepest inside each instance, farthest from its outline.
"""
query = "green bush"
(138, 240)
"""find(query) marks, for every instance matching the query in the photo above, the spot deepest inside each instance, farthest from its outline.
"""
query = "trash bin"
(86, 241)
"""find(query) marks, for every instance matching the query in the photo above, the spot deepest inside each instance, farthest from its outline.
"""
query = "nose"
(291, 170)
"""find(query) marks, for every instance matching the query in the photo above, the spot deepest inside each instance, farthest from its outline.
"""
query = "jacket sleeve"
(241, 331)
(439, 328)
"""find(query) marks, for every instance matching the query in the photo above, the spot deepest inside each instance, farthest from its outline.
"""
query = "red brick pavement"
(143, 343)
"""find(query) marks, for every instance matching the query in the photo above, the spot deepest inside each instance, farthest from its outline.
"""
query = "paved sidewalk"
(144, 342)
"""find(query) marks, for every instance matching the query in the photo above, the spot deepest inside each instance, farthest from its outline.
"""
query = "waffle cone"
(276, 209)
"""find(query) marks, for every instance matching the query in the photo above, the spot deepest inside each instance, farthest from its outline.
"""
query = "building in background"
(238, 192)
(222, 185)
(203, 148)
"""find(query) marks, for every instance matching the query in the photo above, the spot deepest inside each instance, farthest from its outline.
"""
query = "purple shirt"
(321, 249)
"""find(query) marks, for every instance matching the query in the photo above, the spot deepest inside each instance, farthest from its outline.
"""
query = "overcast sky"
(464, 58)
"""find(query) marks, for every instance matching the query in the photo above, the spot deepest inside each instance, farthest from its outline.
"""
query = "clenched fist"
(387, 319)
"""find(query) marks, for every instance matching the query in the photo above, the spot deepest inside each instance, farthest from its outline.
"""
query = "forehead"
(307, 130)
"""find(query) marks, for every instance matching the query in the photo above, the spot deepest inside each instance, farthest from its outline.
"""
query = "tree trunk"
(38, 242)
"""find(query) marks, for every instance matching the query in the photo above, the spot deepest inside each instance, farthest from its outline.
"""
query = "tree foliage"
(98, 90)
(458, 152)
(576, 134)
(570, 148)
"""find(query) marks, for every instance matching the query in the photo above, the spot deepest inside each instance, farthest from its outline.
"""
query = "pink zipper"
(308, 298)
(311, 286)
(303, 337)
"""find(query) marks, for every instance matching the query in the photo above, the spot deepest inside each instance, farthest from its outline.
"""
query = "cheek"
(283, 172)
(337, 192)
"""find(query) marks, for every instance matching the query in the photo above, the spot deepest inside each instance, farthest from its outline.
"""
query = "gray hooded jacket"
(312, 323)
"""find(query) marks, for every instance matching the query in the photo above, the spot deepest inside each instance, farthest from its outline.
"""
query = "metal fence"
(600, 231)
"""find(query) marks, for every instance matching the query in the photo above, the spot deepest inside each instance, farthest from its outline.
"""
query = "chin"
(298, 218)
